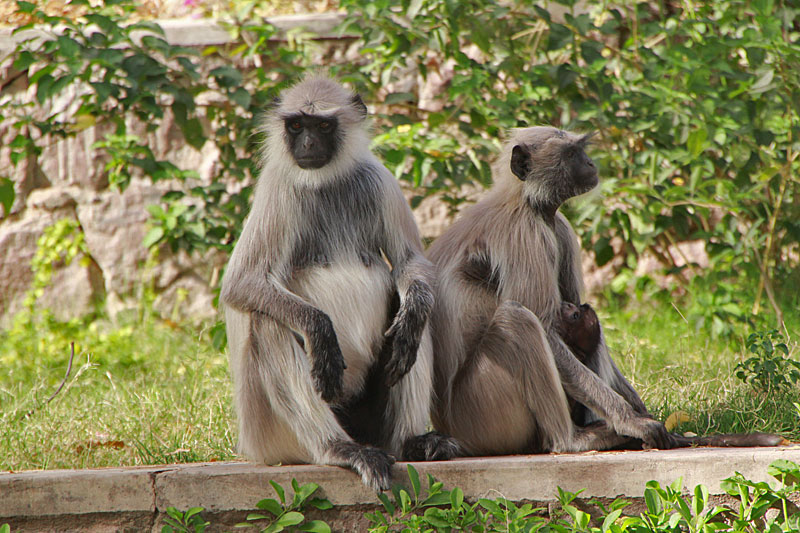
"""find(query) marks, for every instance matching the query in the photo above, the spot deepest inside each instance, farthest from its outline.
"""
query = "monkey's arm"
(586, 387)
(252, 290)
(608, 371)
(413, 276)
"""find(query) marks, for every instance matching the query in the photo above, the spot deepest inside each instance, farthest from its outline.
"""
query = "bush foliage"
(696, 107)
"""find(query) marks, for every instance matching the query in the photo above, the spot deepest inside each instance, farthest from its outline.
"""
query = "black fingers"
(404, 353)
(432, 446)
(374, 465)
(327, 363)
(657, 436)
(406, 331)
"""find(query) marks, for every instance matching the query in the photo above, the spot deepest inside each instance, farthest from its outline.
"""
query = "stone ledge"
(137, 497)
(207, 32)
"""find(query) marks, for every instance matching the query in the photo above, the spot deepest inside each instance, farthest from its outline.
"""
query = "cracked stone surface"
(136, 498)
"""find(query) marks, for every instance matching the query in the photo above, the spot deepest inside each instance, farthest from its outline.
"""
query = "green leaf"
(697, 142)
(611, 519)
(291, 518)
(763, 81)
(438, 518)
(699, 500)
(271, 505)
(191, 512)
(278, 490)
(153, 236)
(7, 195)
(413, 8)
(302, 493)
(105, 23)
(227, 76)
(387, 504)
(652, 501)
(783, 467)
(68, 47)
(456, 498)
(400, 98)
(322, 504)
(24, 60)
(413, 475)
(242, 97)
(405, 502)
(315, 526)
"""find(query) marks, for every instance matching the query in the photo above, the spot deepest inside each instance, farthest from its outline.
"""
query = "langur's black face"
(312, 139)
(582, 168)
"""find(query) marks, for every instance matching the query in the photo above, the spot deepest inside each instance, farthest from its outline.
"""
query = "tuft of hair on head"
(319, 94)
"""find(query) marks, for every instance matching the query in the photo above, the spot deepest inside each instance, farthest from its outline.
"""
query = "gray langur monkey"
(503, 375)
(510, 284)
(327, 296)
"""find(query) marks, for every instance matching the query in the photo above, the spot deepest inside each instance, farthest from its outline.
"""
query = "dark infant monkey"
(580, 330)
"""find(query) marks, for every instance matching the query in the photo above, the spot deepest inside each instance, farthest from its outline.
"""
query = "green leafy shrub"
(188, 522)
(288, 514)
(60, 244)
(122, 70)
(768, 370)
(443, 510)
(667, 510)
(696, 106)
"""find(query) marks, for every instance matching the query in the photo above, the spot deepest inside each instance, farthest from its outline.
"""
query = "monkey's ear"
(520, 161)
(275, 102)
(358, 103)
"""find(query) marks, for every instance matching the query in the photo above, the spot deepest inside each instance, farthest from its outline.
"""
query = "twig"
(61, 386)
(66, 375)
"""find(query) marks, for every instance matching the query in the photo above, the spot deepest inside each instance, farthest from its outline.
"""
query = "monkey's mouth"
(589, 181)
(312, 163)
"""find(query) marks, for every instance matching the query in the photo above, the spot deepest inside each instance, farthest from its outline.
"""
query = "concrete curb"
(136, 498)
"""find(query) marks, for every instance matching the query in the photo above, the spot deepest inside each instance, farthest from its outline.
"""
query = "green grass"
(148, 391)
(676, 368)
(144, 393)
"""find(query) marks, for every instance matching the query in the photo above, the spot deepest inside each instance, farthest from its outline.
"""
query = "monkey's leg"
(408, 410)
(284, 372)
(508, 398)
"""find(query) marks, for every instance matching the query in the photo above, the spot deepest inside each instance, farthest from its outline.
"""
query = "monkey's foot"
(372, 464)
(432, 446)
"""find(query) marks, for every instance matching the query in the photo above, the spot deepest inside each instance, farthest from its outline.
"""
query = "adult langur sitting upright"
(329, 345)
(502, 371)
(504, 376)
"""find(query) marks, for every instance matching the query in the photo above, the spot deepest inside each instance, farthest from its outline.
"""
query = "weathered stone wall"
(69, 180)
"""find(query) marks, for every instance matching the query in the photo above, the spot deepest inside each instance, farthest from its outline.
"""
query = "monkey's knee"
(512, 316)
(516, 332)
(432, 446)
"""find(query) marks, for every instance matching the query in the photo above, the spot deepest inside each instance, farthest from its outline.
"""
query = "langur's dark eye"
(325, 127)
(575, 316)
(295, 126)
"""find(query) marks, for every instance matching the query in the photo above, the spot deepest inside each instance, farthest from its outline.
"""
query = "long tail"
(732, 440)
